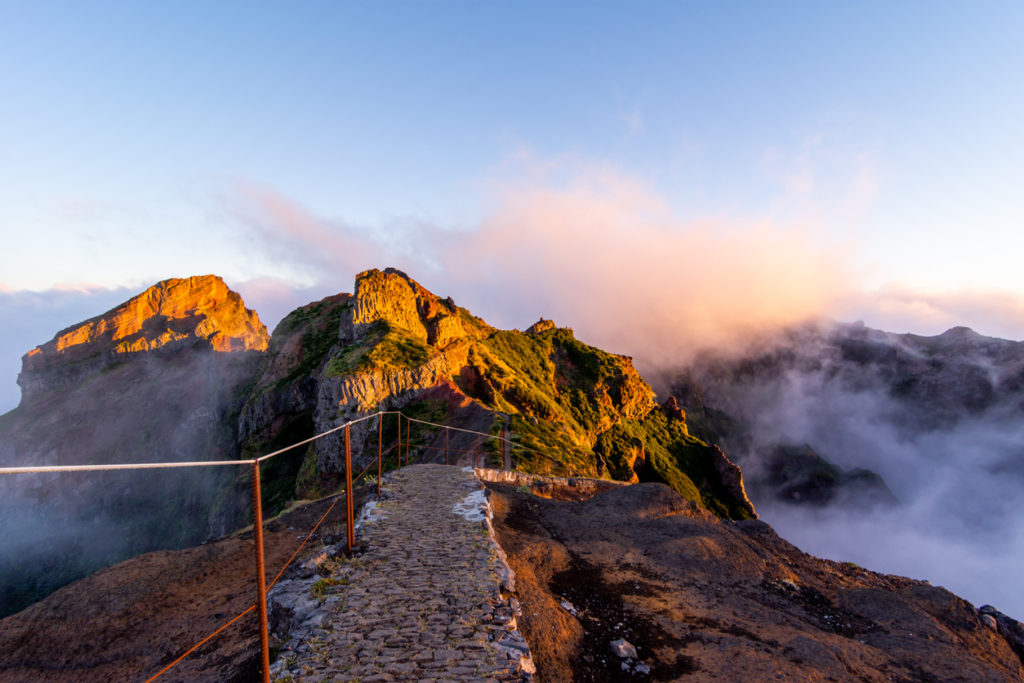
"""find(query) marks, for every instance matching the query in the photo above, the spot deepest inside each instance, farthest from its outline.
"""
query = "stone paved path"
(424, 602)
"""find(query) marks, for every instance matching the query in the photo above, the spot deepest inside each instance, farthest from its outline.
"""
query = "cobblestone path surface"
(425, 601)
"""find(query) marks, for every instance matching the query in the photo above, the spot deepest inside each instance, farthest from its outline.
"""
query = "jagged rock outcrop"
(540, 326)
(672, 410)
(1008, 627)
(392, 297)
(732, 479)
(169, 315)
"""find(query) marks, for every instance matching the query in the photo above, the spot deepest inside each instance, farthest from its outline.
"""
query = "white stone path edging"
(429, 599)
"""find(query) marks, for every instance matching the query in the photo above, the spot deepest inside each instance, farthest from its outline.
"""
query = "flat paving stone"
(421, 601)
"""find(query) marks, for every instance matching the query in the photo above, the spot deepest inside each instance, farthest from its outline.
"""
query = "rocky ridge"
(394, 345)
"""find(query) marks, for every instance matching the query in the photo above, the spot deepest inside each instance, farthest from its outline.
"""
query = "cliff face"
(173, 314)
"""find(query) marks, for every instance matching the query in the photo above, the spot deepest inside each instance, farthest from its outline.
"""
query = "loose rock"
(623, 649)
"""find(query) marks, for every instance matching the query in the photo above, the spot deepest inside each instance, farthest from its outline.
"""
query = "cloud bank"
(959, 523)
(600, 253)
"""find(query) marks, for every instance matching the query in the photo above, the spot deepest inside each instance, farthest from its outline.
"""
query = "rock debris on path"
(426, 601)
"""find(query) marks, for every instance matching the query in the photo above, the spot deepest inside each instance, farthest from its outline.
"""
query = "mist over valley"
(936, 419)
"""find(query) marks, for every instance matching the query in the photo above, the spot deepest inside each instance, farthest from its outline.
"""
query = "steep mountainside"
(398, 346)
(152, 380)
(709, 600)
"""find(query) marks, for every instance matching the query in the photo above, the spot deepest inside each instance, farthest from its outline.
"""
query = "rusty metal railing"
(260, 605)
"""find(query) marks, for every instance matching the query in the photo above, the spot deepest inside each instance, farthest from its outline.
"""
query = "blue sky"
(286, 146)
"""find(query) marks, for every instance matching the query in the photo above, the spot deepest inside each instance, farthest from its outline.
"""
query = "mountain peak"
(392, 297)
(175, 312)
(541, 326)
(959, 333)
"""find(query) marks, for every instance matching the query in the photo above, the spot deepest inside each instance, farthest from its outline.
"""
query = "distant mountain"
(815, 384)
(903, 453)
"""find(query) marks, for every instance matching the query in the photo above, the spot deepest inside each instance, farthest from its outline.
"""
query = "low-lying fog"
(960, 522)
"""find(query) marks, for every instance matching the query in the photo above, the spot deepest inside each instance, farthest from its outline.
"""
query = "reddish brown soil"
(128, 621)
(708, 600)
(702, 599)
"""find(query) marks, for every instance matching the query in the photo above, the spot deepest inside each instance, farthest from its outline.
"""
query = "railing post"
(445, 445)
(350, 523)
(380, 448)
(408, 430)
(261, 578)
(399, 440)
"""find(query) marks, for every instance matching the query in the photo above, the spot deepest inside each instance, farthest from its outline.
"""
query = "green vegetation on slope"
(574, 408)
(318, 323)
(590, 413)
(673, 456)
(384, 346)
(555, 378)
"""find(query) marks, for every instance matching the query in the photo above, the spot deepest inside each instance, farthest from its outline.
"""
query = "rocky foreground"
(703, 599)
(612, 583)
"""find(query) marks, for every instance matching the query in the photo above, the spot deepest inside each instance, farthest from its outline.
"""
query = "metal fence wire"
(260, 605)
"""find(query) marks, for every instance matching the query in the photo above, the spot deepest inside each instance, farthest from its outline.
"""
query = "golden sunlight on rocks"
(199, 309)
